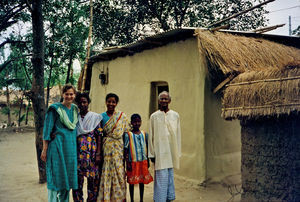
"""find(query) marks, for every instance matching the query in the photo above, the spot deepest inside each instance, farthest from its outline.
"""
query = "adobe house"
(194, 66)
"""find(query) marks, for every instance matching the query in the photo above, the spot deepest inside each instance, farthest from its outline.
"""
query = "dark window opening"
(156, 89)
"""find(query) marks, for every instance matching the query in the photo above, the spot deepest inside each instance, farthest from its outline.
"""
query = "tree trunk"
(69, 68)
(8, 106)
(71, 56)
(48, 88)
(20, 110)
(82, 85)
(37, 91)
(50, 71)
(49, 81)
(27, 112)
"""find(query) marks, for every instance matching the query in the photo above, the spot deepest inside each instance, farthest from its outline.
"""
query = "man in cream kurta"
(164, 148)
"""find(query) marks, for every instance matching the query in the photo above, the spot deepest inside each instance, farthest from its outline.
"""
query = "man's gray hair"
(164, 93)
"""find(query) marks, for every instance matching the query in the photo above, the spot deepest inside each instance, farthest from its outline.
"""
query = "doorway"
(156, 89)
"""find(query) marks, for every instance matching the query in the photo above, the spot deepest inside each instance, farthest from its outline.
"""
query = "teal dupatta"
(65, 119)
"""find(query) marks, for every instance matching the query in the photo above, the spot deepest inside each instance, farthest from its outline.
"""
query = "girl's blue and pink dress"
(136, 146)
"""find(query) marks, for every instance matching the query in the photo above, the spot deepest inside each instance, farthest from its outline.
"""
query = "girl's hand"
(129, 168)
(44, 155)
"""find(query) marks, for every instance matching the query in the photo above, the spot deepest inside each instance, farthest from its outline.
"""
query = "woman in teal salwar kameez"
(60, 152)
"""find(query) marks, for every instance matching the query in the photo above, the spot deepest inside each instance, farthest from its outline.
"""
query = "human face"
(136, 124)
(69, 96)
(164, 101)
(83, 105)
(111, 104)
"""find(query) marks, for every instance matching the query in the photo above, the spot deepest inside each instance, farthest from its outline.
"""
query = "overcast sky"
(280, 10)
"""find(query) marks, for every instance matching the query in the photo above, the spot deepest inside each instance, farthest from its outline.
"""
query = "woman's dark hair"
(109, 95)
(135, 116)
(67, 87)
(80, 95)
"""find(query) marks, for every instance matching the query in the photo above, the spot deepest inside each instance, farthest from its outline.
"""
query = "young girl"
(135, 143)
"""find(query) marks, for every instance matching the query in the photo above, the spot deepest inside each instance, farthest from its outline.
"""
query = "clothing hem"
(164, 168)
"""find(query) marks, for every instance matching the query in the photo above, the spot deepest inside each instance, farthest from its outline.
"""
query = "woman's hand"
(44, 155)
(44, 151)
(52, 136)
(98, 158)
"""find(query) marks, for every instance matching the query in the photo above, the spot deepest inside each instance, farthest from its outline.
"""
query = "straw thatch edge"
(264, 93)
(233, 53)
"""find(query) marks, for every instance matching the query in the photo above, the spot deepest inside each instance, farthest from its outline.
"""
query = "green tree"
(123, 21)
(66, 33)
(65, 40)
(19, 71)
(12, 77)
(11, 12)
(115, 23)
(4, 83)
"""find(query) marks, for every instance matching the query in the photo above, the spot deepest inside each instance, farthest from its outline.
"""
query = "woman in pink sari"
(114, 123)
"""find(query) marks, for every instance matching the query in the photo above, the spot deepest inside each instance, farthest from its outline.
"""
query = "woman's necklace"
(109, 113)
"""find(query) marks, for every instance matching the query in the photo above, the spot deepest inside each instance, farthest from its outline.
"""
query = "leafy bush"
(5, 110)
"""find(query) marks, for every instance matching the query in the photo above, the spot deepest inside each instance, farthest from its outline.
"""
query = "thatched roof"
(235, 53)
(269, 92)
(268, 74)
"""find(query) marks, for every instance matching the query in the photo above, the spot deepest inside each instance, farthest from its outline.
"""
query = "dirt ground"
(19, 176)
